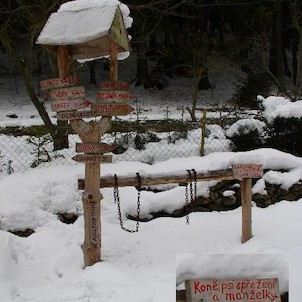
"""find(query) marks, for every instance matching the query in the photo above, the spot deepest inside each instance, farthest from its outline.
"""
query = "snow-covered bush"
(246, 134)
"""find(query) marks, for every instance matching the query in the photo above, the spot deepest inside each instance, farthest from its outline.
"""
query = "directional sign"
(94, 148)
(93, 158)
(59, 82)
(108, 85)
(114, 96)
(247, 170)
(75, 115)
(69, 104)
(112, 109)
(68, 92)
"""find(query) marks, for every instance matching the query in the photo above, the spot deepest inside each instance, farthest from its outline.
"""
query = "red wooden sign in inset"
(69, 104)
(94, 147)
(114, 96)
(108, 85)
(59, 82)
(241, 290)
(68, 92)
(93, 158)
(75, 115)
(112, 109)
(247, 170)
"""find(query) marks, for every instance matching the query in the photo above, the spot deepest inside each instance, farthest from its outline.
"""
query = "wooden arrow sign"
(112, 109)
(59, 82)
(114, 96)
(68, 92)
(69, 104)
(75, 115)
(108, 85)
(93, 158)
(94, 147)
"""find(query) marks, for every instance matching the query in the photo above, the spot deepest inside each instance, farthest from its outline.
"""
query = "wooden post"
(113, 67)
(91, 197)
(246, 199)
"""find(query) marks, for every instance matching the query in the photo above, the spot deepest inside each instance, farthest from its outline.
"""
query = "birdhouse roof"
(88, 27)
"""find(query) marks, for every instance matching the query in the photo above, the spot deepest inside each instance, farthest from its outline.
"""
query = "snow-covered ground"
(47, 266)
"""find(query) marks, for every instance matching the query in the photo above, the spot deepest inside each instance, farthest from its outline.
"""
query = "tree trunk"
(142, 73)
(276, 56)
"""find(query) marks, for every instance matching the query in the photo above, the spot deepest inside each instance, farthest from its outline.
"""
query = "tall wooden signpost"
(68, 100)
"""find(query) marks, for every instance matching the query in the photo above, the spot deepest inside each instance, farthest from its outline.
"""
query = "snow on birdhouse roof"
(88, 27)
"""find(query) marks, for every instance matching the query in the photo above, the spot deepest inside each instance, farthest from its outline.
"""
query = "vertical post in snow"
(91, 196)
(246, 200)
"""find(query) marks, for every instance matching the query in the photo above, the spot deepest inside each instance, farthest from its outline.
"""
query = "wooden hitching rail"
(125, 181)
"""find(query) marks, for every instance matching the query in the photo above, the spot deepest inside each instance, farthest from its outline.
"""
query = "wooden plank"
(114, 96)
(69, 104)
(112, 109)
(59, 83)
(67, 92)
(126, 181)
(93, 158)
(94, 147)
(109, 85)
(75, 115)
(246, 200)
(247, 170)
(260, 290)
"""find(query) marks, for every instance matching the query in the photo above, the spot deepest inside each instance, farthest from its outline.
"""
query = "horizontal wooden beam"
(150, 180)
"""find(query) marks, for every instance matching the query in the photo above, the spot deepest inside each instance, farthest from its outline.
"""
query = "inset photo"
(232, 277)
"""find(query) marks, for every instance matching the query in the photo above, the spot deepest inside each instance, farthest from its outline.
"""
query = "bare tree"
(20, 23)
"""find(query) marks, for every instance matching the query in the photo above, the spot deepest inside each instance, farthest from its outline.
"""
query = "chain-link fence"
(20, 153)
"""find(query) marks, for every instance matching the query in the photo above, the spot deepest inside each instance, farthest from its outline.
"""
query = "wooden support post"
(113, 66)
(91, 197)
(246, 199)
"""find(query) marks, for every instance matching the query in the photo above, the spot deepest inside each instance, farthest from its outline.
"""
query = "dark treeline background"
(176, 38)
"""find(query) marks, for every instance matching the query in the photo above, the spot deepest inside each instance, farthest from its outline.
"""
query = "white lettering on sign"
(247, 171)
(68, 92)
(243, 290)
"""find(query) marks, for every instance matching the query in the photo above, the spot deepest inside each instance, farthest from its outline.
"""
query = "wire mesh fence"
(20, 153)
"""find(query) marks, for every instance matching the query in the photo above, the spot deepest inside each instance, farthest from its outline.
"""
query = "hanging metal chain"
(116, 196)
(187, 203)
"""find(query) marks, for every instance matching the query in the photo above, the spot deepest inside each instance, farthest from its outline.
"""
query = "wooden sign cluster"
(111, 99)
(65, 96)
(244, 290)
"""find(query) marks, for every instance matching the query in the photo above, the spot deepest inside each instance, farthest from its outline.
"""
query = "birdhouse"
(87, 31)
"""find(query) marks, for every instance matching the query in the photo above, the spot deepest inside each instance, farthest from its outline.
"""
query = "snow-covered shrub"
(246, 134)
(284, 119)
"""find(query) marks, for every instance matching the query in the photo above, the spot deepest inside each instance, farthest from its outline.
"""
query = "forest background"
(173, 38)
